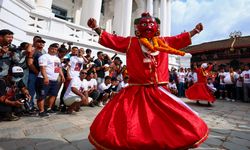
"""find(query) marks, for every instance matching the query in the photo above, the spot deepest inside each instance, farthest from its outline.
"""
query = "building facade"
(66, 20)
(234, 52)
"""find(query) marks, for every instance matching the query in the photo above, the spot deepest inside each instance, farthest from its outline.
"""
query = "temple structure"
(234, 51)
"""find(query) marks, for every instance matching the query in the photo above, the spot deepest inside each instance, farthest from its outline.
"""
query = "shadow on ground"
(44, 144)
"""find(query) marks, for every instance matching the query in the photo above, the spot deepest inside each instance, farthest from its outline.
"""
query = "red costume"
(199, 90)
(144, 115)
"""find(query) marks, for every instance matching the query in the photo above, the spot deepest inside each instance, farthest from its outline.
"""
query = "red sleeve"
(117, 43)
(210, 68)
(179, 41)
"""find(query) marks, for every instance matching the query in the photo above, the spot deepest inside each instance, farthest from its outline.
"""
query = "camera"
(26, 104)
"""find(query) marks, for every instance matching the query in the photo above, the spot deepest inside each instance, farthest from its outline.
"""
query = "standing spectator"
(229, 80)
(181, 78)
(222, 86)
(246, 83)
(100, 68)
(6, 48)
(88, 56)
(19, 58)
(47, 84)
(34, 68)
(62, 51)
(239, 86)
(75, 64)
(81, 54)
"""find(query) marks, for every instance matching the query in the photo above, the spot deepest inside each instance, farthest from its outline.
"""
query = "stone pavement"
(229, 124)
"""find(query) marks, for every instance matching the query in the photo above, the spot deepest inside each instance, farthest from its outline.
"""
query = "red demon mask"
(146, 26)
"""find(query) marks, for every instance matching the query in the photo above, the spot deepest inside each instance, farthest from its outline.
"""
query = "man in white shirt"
(47, 83)
(222, 86)
(246, 83)
(181, 78)
(91, 84)
(105, 90)
(230, 80)
(76, 93)
(75, 63)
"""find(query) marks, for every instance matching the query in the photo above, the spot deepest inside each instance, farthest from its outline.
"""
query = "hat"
(40, 40)
(204, 65)
(17, 69)
(55, 45)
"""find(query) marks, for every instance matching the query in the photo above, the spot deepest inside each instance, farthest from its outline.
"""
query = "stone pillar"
(77, 11)
(90, 9)
(127, 12)
(43, 7)
(168, 15)
(165, 17)
(150, 7)
(117, 23)
(156, 9)
(185, 61)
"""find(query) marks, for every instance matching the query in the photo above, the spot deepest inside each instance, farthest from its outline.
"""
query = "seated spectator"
(124, 83)
(105, 91)
(211, 85)
(91, 84)
(114, 87)
(13, 95)
(76, 93)
(172, 87)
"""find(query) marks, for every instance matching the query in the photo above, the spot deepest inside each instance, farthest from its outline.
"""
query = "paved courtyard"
(229, 124)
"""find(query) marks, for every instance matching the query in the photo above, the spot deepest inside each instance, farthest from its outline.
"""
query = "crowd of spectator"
(226, 82)
(32, 78)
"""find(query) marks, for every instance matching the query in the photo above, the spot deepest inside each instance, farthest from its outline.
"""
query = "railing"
(61, 29)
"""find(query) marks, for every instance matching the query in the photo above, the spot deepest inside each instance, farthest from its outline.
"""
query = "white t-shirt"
(211, 87)
(76, 83)
(76, 64)
(239, 82)
(91, 83)
(228, 79)
(103, 87)
(52, 64)
(181, 76)
(246, 76)
(222, 76)
(172, 86)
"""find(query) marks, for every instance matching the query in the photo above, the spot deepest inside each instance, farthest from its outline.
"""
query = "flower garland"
(159, 45)
(204, 72)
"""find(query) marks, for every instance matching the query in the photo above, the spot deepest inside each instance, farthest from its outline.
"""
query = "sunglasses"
(18, 75)
(83, 72)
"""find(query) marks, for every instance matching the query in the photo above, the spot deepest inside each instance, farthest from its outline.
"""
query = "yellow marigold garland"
(159, 45)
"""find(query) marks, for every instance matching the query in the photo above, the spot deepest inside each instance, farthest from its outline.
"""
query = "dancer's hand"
(199, 27)
(92, 23)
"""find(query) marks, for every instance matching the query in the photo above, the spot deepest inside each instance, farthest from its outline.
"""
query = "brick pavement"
(229, 124)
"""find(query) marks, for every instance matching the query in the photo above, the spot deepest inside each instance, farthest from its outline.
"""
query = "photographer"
(13, 94)
(6, 48)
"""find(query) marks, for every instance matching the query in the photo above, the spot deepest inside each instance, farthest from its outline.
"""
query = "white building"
(66, 20)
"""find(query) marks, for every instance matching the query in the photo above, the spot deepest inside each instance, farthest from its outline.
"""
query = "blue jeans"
(181, 89)
(31, 87)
